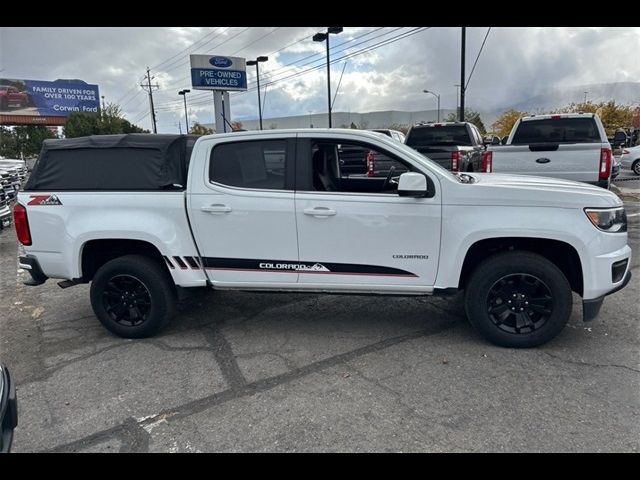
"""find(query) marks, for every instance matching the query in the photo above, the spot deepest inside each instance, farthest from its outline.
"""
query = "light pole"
(256, 62)
(321, 37)
(585, 97)
(457, 99)
(186, 115)
(438, 97)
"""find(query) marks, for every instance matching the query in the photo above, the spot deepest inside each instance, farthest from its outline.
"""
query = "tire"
(516, 322)
(636, 167)
(146, 284)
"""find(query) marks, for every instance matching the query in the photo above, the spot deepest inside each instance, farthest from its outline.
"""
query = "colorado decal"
(285, 266)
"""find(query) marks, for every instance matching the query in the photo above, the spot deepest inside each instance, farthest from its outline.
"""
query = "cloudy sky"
(386, 68)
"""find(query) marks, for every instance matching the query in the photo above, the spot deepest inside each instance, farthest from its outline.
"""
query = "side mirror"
(619, 138)
(412, 184)
(8, 410)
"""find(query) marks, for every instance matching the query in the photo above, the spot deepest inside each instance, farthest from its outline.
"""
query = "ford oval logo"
(220, 62)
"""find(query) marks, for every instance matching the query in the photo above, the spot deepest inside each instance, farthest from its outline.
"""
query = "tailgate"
(440, 155)
(577, 161)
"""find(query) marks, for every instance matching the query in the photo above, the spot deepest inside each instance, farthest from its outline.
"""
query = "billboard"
(44, 102)
(215, 72)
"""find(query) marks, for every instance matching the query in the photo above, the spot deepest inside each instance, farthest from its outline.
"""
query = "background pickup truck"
(456, 146)
(572, 146)
(143, 217)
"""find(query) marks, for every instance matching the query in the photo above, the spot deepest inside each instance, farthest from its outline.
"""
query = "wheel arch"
(560, 253)
(95, 253)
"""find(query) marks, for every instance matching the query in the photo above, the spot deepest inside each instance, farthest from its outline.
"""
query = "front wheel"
(636, 167)
(133, 296)
(518, 299)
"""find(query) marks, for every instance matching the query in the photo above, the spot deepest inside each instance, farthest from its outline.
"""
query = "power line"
(178, 61)
(382, 43)
(477, 57)
(185, 49)
(256, 40)
(283, 69)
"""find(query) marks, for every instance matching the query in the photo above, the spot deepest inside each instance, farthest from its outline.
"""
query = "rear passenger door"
(242, 210)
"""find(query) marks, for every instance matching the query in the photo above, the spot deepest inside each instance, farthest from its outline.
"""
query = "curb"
(626, 193)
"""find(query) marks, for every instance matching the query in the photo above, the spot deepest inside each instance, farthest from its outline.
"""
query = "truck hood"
(526, 190)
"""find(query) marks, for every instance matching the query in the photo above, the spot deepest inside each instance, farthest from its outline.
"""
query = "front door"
(354, 229)
(243, 214)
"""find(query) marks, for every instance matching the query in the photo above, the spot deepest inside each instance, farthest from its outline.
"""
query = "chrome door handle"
(319, 212)
(216, 208)
(543, 160)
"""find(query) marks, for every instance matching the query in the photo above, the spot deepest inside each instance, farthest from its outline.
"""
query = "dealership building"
(382, 119)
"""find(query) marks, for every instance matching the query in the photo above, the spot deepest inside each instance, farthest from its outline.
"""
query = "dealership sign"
(215, 72)
(30, 99)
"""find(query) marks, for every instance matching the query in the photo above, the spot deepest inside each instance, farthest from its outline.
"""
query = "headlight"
(611, 220)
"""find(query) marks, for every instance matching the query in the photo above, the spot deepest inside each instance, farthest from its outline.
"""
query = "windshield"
(560, 130)
(443, 135)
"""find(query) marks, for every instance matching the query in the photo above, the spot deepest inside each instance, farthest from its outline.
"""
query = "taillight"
(605, 163)
(555, 117)
(455, 161)
(22, 224)
(370, 164)
(487, 162)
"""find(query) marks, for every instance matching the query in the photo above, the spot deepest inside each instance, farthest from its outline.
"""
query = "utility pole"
(462, 75)
(585, 97)
(150, 90)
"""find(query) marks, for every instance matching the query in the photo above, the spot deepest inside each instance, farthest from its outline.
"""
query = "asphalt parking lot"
(277, 372)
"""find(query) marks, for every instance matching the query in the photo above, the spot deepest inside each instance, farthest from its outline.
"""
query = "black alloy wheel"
(519, 303)
(127, 300)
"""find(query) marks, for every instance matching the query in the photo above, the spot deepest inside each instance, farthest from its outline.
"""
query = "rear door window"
(560, 130)
(251, 164)
(439, 135)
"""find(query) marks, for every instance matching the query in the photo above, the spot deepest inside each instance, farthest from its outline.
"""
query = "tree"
(109, 121)
(199, 129)
(613, 116)
(23, 141)
(505, 122)
(470, 116)
(353, 126)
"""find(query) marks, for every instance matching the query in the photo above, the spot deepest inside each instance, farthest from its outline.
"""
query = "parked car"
(5, 211)
(395, 134)
(570, 146)
(456, 146)
(630, 159)
(518, 246)
(11, 97)
(7, 183)
(15, 167)
(8, 409)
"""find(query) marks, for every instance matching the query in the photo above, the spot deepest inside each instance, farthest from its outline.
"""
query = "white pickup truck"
(144, 216)
(571, 146)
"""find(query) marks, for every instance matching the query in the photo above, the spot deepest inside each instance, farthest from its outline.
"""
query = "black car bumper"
(31, 265)
(591, 308)
(8, 411)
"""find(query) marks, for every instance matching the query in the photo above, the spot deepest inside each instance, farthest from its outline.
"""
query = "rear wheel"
(133, 296)
(636, 167)
(518, 299)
